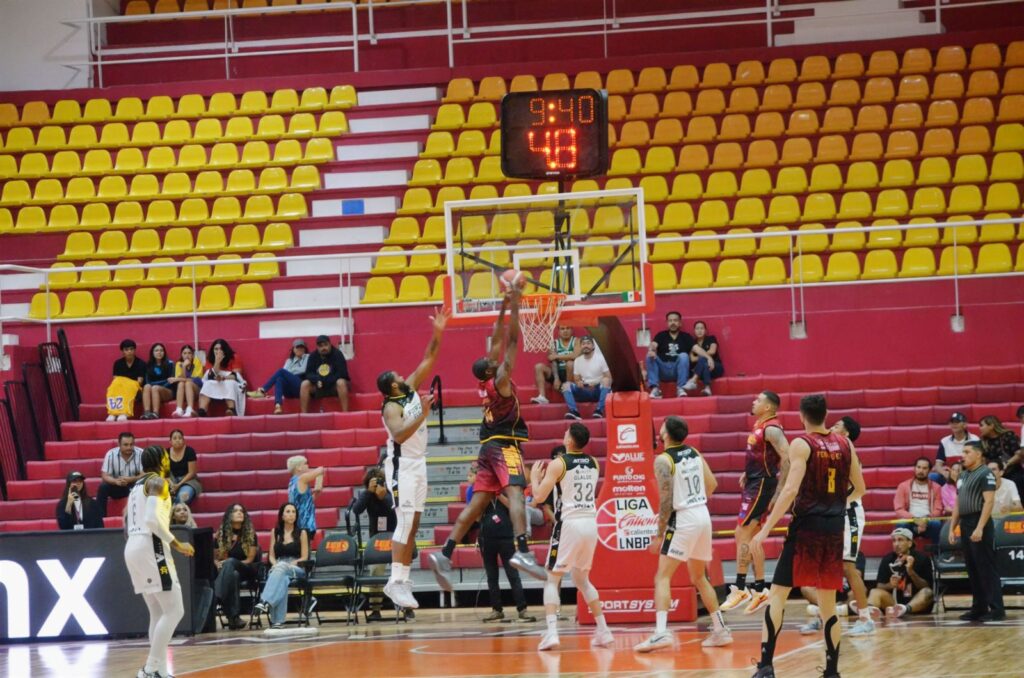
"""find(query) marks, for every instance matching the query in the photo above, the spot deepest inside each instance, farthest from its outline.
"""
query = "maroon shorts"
(812, 554)
(757, 495)
(499, 465)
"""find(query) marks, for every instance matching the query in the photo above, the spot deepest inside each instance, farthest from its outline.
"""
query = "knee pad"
(403, 525)
(551, 596)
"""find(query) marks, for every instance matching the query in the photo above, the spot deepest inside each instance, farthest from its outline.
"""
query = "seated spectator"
(997, 441)
(122, 466)
(905, 579)
(75, 509)
(1020, 418)
(1007, 496)
(326, 375)
(181, 514)
(668, 358)
(558, 368)
(157, 390)
(223, 380)
(287, 381)
(235, 552)
(592, 381)
(186, 382)
(129, 376)
(919, 499)
(379, 506)
(705, 360)
(949, 489)
(184, 469)
(290, 546)
(496, 541)
(303, 489)
(951, 448)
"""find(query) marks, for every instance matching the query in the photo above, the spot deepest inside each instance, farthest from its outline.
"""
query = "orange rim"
(543, 303)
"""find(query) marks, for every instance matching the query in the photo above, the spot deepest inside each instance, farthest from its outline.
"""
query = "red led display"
(554, 134)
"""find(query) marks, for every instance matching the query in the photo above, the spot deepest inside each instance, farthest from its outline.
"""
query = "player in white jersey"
(685, 482)
(575, 533)
(147, 555)
(405, 464)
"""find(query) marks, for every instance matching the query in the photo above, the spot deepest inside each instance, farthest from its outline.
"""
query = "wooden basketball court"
(455, 643)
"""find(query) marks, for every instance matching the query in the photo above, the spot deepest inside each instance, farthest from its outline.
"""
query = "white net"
(538, 316)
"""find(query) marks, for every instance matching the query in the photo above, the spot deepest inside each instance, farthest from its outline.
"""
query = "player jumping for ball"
(500, 464)
(822, 466)
(574, 537)
(685, 482)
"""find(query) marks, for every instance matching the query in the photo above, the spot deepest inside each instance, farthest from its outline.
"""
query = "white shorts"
(689, 535)
(411, 488)
(572, 545)
(853, 532)
(150, 564)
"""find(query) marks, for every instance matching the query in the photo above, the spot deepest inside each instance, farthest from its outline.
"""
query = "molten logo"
(626, 434)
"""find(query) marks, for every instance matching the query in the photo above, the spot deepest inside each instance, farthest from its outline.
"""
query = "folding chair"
(336, 566)
(376, 552)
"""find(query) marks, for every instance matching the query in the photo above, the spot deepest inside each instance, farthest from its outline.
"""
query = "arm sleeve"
(106, 467)
(311, 366)
(884, 570)
(64, 521)
(360, 505)
(154, 522)
(925, 569)
(340, 365)
(940, 454)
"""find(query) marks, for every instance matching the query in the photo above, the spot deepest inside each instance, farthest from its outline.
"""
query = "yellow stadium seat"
(210, 239)
(588, 80)
(616, 112)
(942, 113)
(403, 231)
(728, 155)
(735, 127)
(748, 212)
(668, 132)
(743, 100)
(342, 96)
(782, 70)
(248, 296)
(788, 180)
(264, 269)
(815, 68)
(112, 244)
(844, 93)
(620, 81)
(162, 213)
(97, 110)
(802, 123)
(304, 178)
(655, 188)
(95, 216)
(634, 133)
(416, 201)
(228, 269)
(441, 144)
(783, 209)
(241, 181)
(956, 261)
(313, 99)
(768, 271)
(661, 251)
(862, 175)
(1009, 137)
(66, 111)
(948, 86)
(916, 60)
(901, 144)
(1007, 167)
(1002, 197)
(812, 238)
(845, 238)
(15, 193)
(1013, 81)
(882, 62)
(716, 75)
(413, 288)
(79, 304)
(768, 125)
(622, 279)
(658, 160)
(712, 214)
(643, 107)
(872, 119)
(795, 151)
(853, 205)
(696, 275)
(244, 238)
(709, 102)
(749, 73)
(1014, 54)
(931, 171)
(177, 241)
(776, 98)
(937, 142)
(950, 58)
(807, 268)
(665, 276)
(740, 246)
(481, 116)
(608, 220)
(425, 173)
(44, 305)
(878, 91)
(721, 185)
(683, 77)
(908, 116)
(880, 237)
(866, 146)
(926, 201)
(820, 207)
(842, 267)
(703, 249)
(983, 84)
(277, 236)
(879, 265)
(921, 237)
(912, 88)
(145, 243)
(693, 158)
(284, 101)
(95, 275)
(774, 244)
(760, 153)
(994, 258)
(701, 129)
(838, 119)
(963, 199)
(212, 298)
(651, 79)
(112, 303)
(757, 182)
(831, 148)
(732, 273)
(63, 217)
(556, 81)
(147, 301)
(677, 105)
(687, 186)
(492, 88)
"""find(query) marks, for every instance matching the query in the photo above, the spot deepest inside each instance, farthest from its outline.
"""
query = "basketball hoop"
(538, 316)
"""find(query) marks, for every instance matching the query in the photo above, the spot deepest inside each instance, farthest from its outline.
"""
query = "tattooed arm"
(775, 436)
(663, 472)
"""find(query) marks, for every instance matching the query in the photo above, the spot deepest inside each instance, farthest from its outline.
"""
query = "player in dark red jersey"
(822, 466)
(766, 456)
(500, 463)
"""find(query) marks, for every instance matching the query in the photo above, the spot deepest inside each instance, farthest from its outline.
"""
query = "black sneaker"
(261, 607)
(598, 414)
(573, 414)
(970, 615)
(494, 616)
(525, 616)
(409, 614)
(992, 617)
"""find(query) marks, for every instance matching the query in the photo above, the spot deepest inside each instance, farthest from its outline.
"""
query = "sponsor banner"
(636, 606)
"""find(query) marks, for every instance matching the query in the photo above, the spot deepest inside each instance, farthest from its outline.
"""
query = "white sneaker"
(863, 627)
(842, 610)
(178, 412)
(691, 384)
(401, 594)
(655, 392)
(896, 611)
(681, 393)
(122, 417)
(602, 638)
(539, 400)
(189, 412)
(527, 562)
(111, 417)
(735, 598)
(811, 627)
(656, 641)
(718, 639)
(812, 610)
(409, 597)
(707, 390)
(550, 641)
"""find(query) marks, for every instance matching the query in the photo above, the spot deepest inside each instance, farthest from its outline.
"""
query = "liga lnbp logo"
(626, 523)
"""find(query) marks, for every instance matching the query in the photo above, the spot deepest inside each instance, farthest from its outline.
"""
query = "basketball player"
(500, 464)
(822, 466)
(405, 465)
(853, 532)
(574, 537)
(148, 558)
(766, 454)
(685, 482)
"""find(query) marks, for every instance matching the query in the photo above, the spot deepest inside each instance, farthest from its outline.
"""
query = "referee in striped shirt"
(976, 492)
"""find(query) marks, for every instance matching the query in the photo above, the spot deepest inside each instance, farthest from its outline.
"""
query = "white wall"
(34, 43)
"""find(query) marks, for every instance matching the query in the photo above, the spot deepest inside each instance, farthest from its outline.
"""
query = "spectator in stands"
(186, 382)
(668, 358)
(1007, 498)
(122, 466)
(557, 370)
(76, 510)
(181, 514)
(289, 548)
(705, 360)
(129, 376)
(951, 448)
(592, 381)
(920, 500)
(496, 540)
(157, 391)
(905, 579)
(184, 469)
(379, 506)
(949, 489)
(235, 556)
(1003, 444)
(223, 380)
(287, 381)
(326, 375)
(303, 489)
(1020, 418)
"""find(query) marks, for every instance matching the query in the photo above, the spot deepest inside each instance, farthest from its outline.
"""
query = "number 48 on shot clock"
(554, 134)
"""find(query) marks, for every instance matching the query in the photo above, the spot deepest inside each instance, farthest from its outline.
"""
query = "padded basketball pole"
(563, 241)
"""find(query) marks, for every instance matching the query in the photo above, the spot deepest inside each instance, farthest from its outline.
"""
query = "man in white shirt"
(122, 466)
(1007, 495)
(592, 381)
(951, 448)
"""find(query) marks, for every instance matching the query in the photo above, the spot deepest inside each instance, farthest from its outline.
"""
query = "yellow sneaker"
(735, 598)
(757, 601)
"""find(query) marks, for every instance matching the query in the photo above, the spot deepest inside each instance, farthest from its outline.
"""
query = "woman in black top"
(290, 547)
(185, 486)
(706, 360)
(157, 389)
(235, 557)
(1002, 444)
(76, 510)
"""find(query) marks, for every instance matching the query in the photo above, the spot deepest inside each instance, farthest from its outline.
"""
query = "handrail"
(437, 388)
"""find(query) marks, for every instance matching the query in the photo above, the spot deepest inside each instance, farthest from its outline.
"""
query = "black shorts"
(328, 390)
(812, 554)
(561, 374)
(757, 495)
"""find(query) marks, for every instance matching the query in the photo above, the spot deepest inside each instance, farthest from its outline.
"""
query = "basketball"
(511, 278)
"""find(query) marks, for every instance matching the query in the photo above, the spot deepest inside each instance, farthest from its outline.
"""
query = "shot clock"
(554, 134)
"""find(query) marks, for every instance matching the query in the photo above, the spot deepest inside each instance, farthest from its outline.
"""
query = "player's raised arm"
(503, 376)
(541, 485)
(856, 476)
(799, 452)
(498, 336)
(426, 365)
